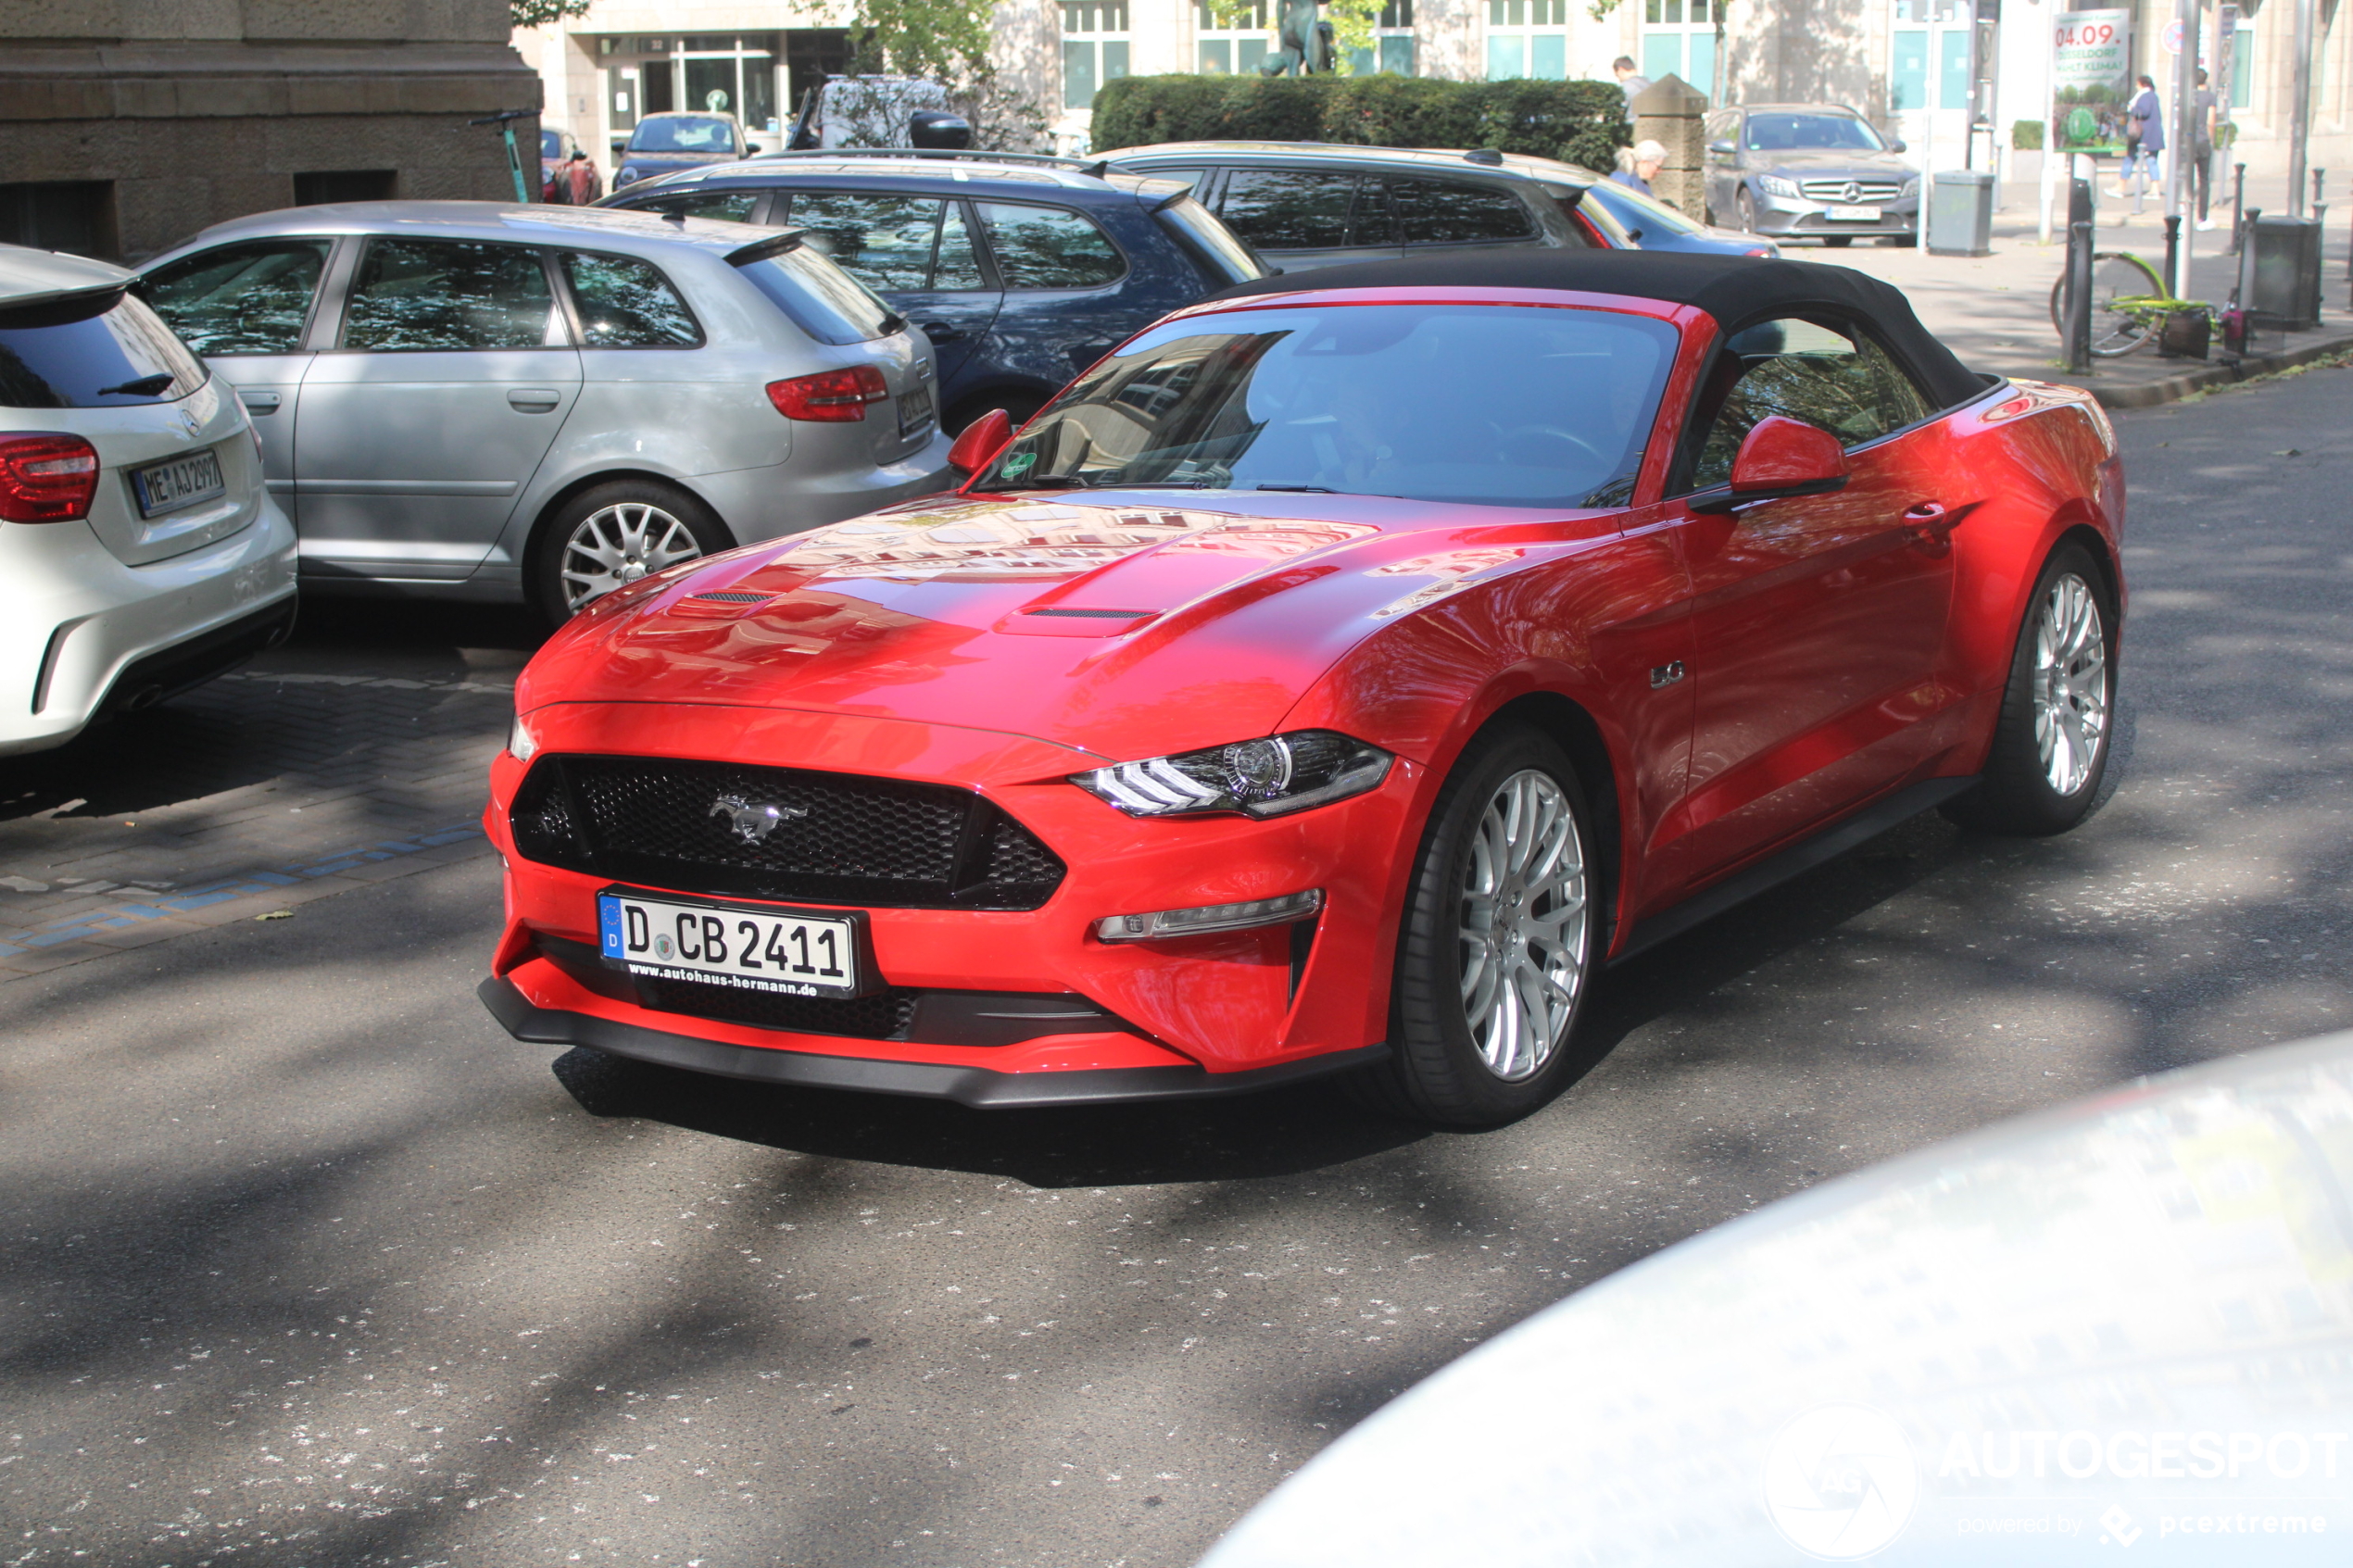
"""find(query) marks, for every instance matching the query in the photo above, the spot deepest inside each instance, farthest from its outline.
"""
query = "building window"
(1393, 49)
(348, 185)
(1930, 67)
(1678, 38)
(1526, 38)
(2243, 67)
(1094, 48)
(1237, 47)
(74, 216)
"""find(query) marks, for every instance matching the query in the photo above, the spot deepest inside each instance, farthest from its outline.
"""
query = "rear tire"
(611, 534)
(1500, 936)
(2052, 739)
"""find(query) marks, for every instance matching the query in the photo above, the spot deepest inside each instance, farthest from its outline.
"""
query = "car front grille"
(883, 1016)
(1867, 191)
(723, 828)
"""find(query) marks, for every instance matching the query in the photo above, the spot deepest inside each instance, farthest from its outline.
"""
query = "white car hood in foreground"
(2115, 1332)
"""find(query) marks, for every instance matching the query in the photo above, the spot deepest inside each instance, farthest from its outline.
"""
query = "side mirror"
(1896, 145)
(1720, 149)
(980, 443)
(1780, 457)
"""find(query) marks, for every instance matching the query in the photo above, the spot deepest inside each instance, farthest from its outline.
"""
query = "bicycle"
(2129, 304)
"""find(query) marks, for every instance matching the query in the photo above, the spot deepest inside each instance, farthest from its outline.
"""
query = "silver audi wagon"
(471, 400)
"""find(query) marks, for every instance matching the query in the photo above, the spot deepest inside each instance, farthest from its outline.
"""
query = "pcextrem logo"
(1840, 1481)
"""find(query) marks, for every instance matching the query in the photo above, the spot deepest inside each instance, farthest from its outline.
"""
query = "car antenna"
(1482, 154)
(672, 215)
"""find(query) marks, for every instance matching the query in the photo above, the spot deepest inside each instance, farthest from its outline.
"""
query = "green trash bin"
(1961, 212)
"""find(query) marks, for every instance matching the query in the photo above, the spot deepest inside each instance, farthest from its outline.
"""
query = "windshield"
(822, 299)
(684, 133)
(105, 350)
(551, 144)
(1481, 403)
(1787, 132)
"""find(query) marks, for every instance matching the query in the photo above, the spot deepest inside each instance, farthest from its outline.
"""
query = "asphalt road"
(306, 1262)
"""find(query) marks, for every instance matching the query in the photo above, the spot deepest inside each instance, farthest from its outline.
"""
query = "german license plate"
(914, 410)
(742, 947)
(183, 481)
(1853, 214)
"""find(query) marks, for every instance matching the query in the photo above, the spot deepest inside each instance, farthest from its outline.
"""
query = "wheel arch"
(535, 536)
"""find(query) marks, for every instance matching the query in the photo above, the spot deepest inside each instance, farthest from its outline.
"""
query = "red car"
(1330, 680)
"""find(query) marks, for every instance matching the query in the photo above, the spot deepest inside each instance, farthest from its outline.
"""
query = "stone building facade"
(128, 125)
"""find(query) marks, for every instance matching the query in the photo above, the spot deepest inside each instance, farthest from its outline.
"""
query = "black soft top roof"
(1736, 290)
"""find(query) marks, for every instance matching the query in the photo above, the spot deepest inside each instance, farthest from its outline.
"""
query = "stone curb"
(2149, 395)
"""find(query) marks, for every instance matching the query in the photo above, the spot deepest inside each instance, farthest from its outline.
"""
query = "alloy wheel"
(2071, 684)
(617, 545)
(1524, 928)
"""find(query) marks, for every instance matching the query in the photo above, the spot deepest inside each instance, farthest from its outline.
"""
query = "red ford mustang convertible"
(1331, 680)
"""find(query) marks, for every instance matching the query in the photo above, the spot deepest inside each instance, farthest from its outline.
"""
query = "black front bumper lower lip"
(982, 1088)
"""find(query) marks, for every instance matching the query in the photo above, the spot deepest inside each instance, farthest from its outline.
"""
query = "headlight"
(1911, 186)
(1775, 185)
(1259, 778)
(624, 177)
(520, 742)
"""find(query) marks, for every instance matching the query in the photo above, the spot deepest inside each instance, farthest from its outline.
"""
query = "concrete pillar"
(1669, 112)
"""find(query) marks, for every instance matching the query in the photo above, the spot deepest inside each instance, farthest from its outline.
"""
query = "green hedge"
(1581, 122)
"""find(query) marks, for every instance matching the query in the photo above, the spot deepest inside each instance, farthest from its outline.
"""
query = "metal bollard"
(2079, 278)
(2238, 207)
(2173, 252)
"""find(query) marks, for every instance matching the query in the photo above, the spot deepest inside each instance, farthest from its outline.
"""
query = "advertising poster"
(2091, 82)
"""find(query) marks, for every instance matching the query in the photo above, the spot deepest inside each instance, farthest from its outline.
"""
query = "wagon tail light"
(831, 396)
(47, 478)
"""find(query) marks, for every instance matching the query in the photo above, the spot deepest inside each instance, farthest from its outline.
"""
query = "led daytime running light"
(1267, 777)
(1162, 924)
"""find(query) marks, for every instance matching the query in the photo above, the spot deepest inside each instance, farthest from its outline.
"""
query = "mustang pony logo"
(753, 820)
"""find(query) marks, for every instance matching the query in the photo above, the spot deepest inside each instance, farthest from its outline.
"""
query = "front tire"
(2051, 740)
(1501, 936)
(1745, 209)
(610, 535)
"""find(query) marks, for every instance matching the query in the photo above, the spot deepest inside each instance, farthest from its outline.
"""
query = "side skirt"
(1795, 862)
(982, 1088)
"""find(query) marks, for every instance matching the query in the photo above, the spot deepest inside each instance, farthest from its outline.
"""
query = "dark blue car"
(1023, 271)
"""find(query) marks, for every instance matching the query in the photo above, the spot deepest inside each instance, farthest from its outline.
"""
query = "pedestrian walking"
(2203, 111)
(2143, 139)
(1630, 81)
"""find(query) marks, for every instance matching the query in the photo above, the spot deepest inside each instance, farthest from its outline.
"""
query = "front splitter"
(982, 1088)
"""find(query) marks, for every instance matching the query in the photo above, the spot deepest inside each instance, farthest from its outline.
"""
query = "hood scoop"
(718, 605)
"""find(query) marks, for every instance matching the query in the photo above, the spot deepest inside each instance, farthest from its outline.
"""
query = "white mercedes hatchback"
(140, 552)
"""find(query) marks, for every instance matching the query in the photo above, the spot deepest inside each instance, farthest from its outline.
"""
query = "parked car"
(470, 400)
(670, 140)
(140, 552)
(1023, 271)
(1307, 203)
(2033, 1345)
(1293, 697)
(1635, 222)
(1807, 172)
(555, 149)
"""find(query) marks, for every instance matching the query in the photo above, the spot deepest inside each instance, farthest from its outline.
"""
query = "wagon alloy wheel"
(609, 536)
(2058, 720)
(2071, 684)
(1500, 932)
(1523, 927)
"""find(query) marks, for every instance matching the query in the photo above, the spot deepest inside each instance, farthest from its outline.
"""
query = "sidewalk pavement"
(1995, 310)
(356, 753)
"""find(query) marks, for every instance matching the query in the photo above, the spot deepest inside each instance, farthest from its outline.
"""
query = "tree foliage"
(539, 13)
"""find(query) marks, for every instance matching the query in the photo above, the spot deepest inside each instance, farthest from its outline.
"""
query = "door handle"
(941, 332)
(533, 400)
(1932, 522)
(259, 402)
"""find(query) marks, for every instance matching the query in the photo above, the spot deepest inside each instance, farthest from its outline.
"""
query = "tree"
(539, 13)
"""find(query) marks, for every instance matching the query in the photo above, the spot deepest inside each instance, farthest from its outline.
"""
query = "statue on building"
(1307, 41)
